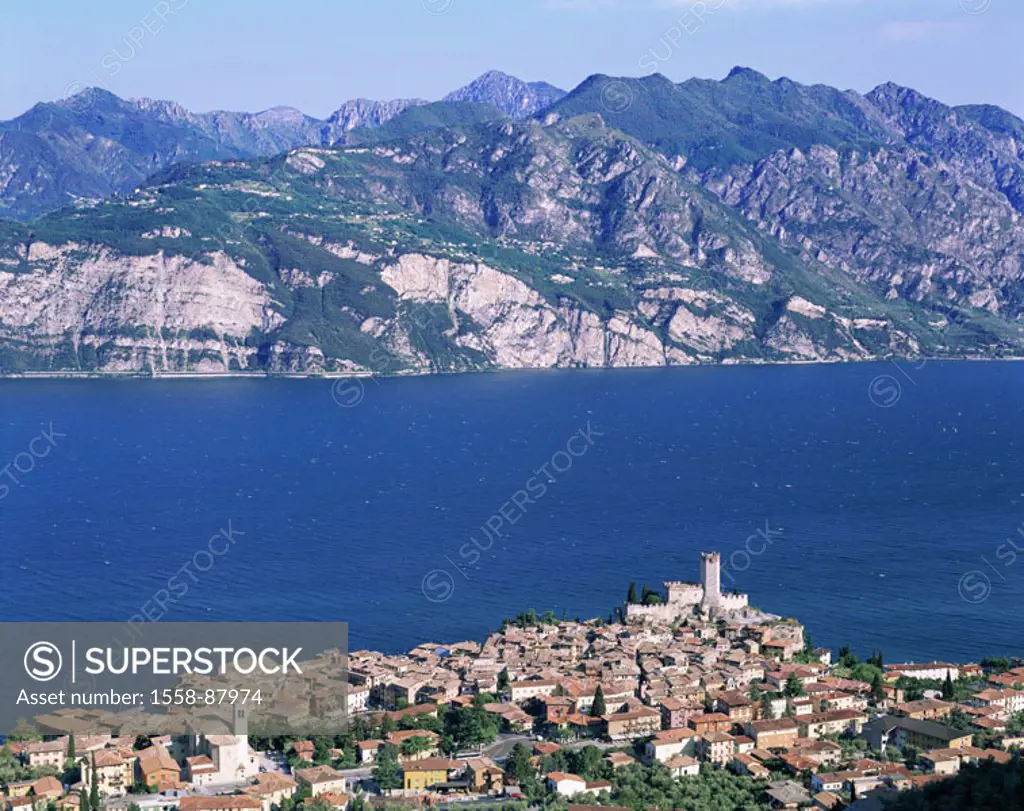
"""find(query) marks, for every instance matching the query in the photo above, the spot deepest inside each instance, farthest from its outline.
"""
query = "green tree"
(386, 773)
(864, 672)
(416, 745)
(631, 594)
(387, 724)
(94, 786)
(322, 746)
(948, 691)
(877, 687)
(588, 763)
(503, 680)
(598, 708)
(71, 747)
(23, 731)
(520, 764)
(470, 727)
(794, 687)
(83, 801)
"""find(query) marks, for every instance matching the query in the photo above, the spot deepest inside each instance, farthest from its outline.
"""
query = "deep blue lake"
(892, 522)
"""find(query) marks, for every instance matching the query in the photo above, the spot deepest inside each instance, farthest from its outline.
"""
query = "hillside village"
(680, 697)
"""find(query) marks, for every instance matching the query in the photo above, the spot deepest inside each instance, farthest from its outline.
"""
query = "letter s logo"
(43, 661)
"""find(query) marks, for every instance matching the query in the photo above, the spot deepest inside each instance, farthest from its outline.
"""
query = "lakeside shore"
(362, 375)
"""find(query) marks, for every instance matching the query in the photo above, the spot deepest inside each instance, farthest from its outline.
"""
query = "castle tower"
(711, 578)
(239, 721)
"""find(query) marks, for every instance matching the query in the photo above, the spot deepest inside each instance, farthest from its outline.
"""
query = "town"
(682, 695)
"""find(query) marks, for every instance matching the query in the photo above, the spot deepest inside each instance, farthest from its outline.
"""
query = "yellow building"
(420, 775)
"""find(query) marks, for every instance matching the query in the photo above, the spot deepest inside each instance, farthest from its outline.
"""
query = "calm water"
(345, 511)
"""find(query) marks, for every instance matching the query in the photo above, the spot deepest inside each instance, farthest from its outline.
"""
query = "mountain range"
(94, 144)
(629, 222)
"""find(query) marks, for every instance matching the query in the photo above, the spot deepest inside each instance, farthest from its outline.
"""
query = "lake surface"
(889, 518)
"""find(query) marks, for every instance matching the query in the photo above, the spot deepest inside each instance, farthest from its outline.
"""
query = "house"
(69, 802)
(156, 766)
(941, 761)
(566, 784)
(709, 722)
(47, 788)
(717, 748)
(827, 781)
(667, 744)
(220, 802)
(828, 723)
(827, 801)
(927, 709)
(357, 697)
(115, 771)
(683, 766)
(19, 788)
(521, 691)
(46, 754)
(319, 779)
(366, 751)
(898, 731)
(620, 759)
(420, 775)
(796, 764)
(929, 670)
(821, 752)
(743, 764)
(200, 771)
(485, 776)
(403, 739)
(675, 712)
(787, 794)
(743, 743)
(584, 726)
(271, 789)
(737, 706)
(773, 733)
(557, 709)
(400, 693)
(630, 724)
(1010, 701)
(336, 800)
(989, 724)
(802, 705)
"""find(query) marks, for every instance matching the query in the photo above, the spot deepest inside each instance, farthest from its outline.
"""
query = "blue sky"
(314, 54)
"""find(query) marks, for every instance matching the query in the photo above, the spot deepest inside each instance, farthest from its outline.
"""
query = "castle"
(682, 598)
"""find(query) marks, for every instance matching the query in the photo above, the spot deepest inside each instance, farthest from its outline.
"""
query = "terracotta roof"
(234, 802)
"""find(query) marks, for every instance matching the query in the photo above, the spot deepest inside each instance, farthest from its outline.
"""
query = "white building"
(566, 784)
(683, 598)
(357, 697)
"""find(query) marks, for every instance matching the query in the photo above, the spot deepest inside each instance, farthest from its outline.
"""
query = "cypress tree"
(948, 692)
(94, 787)
(598, 708)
